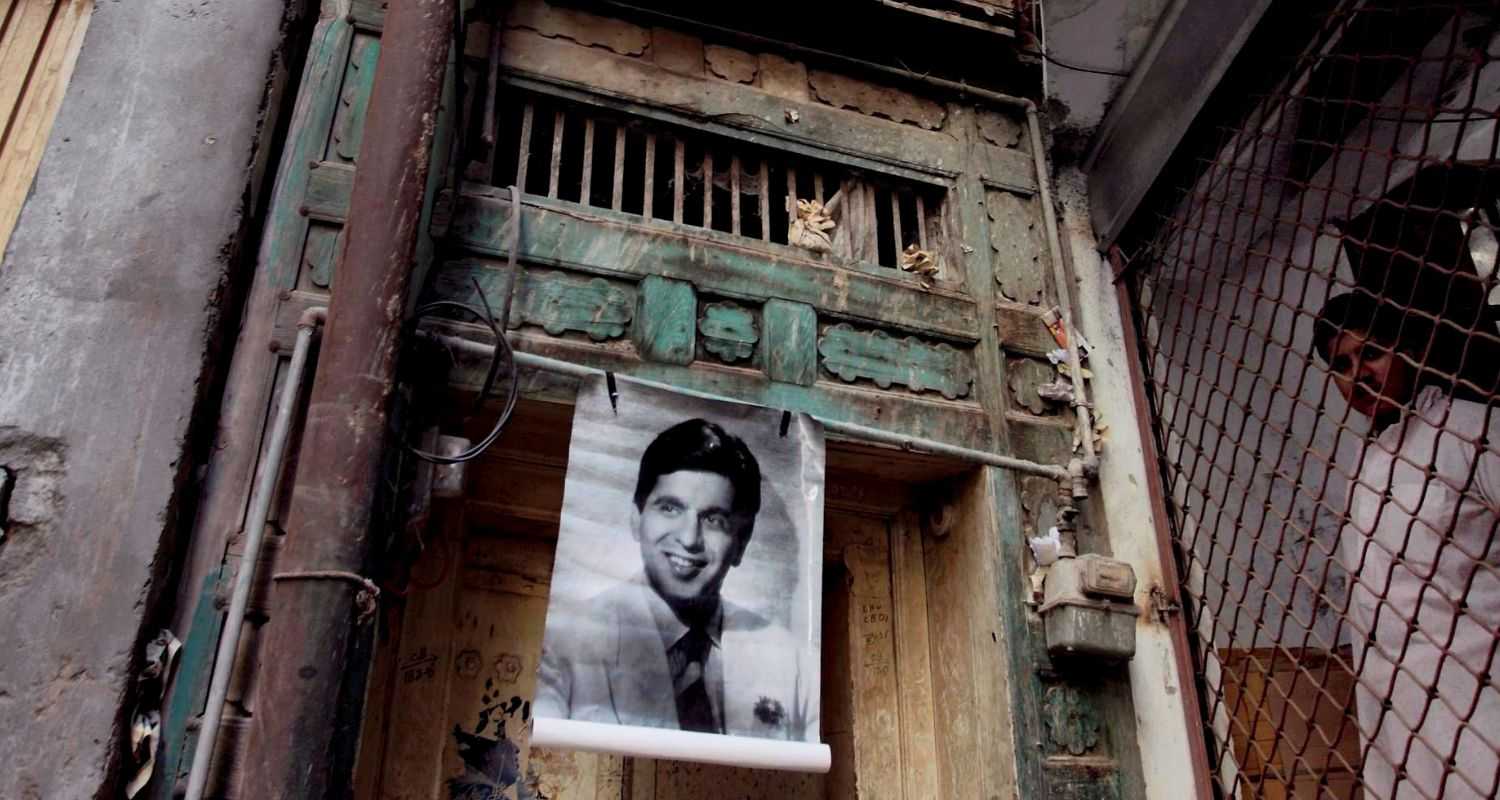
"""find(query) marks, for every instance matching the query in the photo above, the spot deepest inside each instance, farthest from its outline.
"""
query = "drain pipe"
(1090, 466)
(311, 672)
(255, 535)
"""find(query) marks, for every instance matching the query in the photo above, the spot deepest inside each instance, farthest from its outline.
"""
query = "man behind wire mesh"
(1420, 545)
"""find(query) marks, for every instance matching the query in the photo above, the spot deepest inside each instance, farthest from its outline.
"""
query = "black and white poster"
(685, 607)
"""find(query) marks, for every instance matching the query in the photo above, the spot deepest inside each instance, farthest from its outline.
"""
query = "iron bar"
(300, 745)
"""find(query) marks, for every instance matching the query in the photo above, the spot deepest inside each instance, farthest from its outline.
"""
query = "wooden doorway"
(909, 701)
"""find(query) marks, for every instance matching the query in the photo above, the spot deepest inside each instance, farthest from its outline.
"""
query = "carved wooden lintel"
(1071, 720)
(559, 303)
(853, 354)
(1023, 376)
(729, 330)
(1017, 245)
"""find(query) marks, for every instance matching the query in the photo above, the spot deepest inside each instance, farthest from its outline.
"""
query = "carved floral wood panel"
(875, 355)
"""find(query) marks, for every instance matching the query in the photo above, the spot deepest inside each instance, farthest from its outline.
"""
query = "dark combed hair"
(1387, 323)
(702, 446)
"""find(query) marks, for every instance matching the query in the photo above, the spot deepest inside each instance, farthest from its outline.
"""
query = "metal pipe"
(1064, 294)
(255, 534)
(849, 429)
(311, 672)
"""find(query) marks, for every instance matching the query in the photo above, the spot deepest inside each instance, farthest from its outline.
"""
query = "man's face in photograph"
(689, 536)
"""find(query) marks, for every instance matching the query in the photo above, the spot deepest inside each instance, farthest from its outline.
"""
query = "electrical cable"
(1081, 68)
(1040, 13)
(503, 355)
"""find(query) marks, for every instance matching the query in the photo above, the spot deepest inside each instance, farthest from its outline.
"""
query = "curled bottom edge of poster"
(707, 748)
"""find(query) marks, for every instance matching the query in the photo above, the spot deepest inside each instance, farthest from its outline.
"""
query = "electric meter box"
(1088, 608)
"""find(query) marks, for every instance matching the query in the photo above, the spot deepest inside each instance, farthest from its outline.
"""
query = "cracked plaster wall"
(110, 292)
(1110, 34)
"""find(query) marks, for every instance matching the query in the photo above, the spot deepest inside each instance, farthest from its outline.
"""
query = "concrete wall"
(112, 292)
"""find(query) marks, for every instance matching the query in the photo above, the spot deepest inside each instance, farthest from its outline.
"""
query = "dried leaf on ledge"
(915, 259)
(811, 228)
(919, 262)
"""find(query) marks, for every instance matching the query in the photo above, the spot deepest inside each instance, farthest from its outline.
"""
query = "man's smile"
(685, 567)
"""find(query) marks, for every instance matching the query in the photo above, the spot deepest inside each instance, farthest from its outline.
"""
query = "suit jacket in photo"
(606, 662)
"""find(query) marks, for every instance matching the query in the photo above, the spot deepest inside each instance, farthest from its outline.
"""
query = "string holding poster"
(684, 618)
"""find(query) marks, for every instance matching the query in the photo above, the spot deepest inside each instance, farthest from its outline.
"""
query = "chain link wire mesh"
(1316, 308)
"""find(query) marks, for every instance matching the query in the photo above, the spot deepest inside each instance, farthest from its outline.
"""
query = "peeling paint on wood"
(729, 331)
(1048, 440)
(1016, 242)
(854, 354)
(678, 52)
(319, 255)
(286, 228)
(586, 29)
(731, 64)
(925, 415)
(615, 246)
(1021, 329)
(792, 347)
(554, 301)
(1022, 376)
(758, 117)
(359, 76)
(368, 15)
(663, 329)
(1001, 129)
(1071, 721)
(784, 78)
(840, 91)
(558, 303)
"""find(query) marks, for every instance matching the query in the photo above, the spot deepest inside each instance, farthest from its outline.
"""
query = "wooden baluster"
(524, 157)
(617, 193)
(921, 222)
(765, 201)
(588, 161)
(557, 140)
(708, 189)
(896, 225)
(679, 177)
(734, 195)
(650, 181)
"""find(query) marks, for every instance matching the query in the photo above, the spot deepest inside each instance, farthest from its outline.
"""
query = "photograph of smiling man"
(685, 593)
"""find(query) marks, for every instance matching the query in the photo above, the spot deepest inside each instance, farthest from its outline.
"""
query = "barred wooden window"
(670, 174)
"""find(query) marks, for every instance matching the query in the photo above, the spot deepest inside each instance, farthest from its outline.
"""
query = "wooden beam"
(913, 658)
(37, 55)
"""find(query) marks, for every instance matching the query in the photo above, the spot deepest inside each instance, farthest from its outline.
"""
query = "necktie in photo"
(690, 681)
